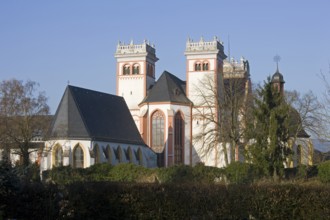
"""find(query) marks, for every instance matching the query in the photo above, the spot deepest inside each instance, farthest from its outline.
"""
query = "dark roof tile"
(88, 114)
(168, 88)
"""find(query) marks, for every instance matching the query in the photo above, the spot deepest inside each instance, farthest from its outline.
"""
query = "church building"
(152, 122)
(170, 112)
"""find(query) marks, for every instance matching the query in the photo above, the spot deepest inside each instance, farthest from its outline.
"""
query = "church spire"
(277, 59)
(277, 78)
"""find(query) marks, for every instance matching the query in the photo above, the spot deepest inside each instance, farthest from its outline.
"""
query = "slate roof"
(277, 77)
(168, 88)
(92, 115)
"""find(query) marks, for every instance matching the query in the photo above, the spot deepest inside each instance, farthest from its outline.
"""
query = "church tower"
(135, 73)
(204, 74)
(277, 78)
(204, 60)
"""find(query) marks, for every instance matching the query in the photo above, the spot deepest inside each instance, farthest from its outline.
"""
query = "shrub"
(65, 174)
(128, 172)
(29, 173)
(34, 201)
(324, 171)
(99, 172)
(206, 174)
(238, 173)
(175, 174)
(9, 185)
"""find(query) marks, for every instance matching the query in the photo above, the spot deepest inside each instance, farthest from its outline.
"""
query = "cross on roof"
(277, 59)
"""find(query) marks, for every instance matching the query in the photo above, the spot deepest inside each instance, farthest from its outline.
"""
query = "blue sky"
(53, 42)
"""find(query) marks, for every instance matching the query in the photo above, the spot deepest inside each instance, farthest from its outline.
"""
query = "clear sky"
(53, 42)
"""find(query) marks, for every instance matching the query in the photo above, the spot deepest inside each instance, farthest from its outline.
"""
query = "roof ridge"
(168, 88)
(90, 90)
(168, 79)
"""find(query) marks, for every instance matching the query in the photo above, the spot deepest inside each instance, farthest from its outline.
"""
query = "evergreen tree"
(269, 131)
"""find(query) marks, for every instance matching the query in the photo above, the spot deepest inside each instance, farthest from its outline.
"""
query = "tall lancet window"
(198, 66)
(78, 157)
(136, 69)
(58, 154)
(178, 138)
(158, 131)
(205, 66)
(126, 69)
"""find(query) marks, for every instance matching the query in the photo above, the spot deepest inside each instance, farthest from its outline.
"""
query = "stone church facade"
(168, 111)
(151, 122)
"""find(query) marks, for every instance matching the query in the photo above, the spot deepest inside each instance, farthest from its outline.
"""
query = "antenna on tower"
(228, 48)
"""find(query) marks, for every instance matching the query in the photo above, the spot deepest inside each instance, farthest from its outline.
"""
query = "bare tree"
(222, 108)
(326, 103)
(306, 114)
(24, 117)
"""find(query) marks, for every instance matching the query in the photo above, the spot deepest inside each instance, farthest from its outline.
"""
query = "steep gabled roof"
(92, 115)
(168, 88)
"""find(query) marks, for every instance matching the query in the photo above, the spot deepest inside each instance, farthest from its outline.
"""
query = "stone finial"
(202, 39)
(131, 42)
(215, 38)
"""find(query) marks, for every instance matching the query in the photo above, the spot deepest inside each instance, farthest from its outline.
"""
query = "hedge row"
(234, 173)
(108, 200)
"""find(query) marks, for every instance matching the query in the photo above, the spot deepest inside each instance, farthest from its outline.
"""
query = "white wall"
(149, 157)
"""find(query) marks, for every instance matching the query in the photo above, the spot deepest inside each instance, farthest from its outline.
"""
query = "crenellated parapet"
(236, 69)
(203, 46)
(135, 49)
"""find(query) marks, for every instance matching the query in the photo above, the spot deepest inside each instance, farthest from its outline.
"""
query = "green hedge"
(106, 200)
(324, 172)
(92, 196)
(240, 173)
(132, 173)
(115, 200)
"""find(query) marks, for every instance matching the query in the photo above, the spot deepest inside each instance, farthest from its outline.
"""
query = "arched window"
(205, 66)
(97, 154)
(58, 156)
(126, 69)
(109, 154)
(139, 157)
(198, 66)
(78, 157)
(129, 154)
(158, 131)
(178, 138)
(136, 69)
(118, 154)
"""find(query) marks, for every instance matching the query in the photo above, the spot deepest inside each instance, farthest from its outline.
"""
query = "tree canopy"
(269, 131)
(24, 116)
